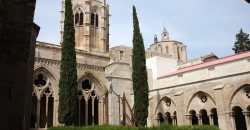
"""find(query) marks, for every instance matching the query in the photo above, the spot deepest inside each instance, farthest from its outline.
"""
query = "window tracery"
(203, 98)
(87, 103)
(79, 17)
(42, 102)
(94, 18)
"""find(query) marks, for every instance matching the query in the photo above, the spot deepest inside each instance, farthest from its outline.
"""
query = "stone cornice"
(118, 63)
(78, 51)
(45, 61)
(200, 81)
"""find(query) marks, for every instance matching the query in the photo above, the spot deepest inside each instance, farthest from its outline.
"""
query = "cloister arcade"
(202, 109)
(92, 100)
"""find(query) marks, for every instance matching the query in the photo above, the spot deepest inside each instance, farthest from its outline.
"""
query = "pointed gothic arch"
(164, 99)
(78, 11)
(204, 100)
(90, 104)
(94, 16)
(242, 93)
(42, 112)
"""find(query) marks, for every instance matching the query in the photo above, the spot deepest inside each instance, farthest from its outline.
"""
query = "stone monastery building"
(205, 90)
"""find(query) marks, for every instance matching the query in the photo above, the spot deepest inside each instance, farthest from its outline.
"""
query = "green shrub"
(163, 127)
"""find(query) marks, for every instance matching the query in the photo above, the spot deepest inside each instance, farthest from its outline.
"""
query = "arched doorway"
(42, 102)
(193, 117)
(240, 121)
(214, 117)
(204, 117)
(88, 103)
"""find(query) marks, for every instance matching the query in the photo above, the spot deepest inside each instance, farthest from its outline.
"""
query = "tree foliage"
(242, 43)
(139, 75)
(68, 75)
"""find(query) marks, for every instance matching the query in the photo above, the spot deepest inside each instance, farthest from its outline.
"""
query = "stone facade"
(205, 90)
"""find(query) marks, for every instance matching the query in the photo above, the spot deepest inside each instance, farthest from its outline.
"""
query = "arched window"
(79, 17)
(94, 18)
(42, 102)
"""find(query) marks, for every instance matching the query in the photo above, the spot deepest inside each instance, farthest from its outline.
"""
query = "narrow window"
(92, 19)
(77, 18)
(96, 20)
(178, 53)
(81, 18)
(121, 55)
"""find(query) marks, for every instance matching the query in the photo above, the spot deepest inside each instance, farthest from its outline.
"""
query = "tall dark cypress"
(68, 75)
(139, 75)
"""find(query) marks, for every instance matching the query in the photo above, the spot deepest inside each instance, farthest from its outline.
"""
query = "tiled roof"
(211, 63)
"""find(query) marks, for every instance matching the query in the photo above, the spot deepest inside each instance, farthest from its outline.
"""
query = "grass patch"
(163, 127)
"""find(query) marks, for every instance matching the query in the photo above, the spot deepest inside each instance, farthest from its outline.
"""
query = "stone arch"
(89, 105)
(193, 117)
(95, 14)
(98, 9)
(204, 117)
(160, 118)
(101, 90)
(77, 6)
(168, 118)
(43, 95)
(201, 100)
(214, 117)
(171, 109)
(239, 118)
(240, 97)
(48, 71)
(78, 11)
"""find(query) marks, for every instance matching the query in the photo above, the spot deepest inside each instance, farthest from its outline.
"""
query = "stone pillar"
(232, 117)
(174, 120)
(158, 121)
(47, 107)
(211, 119)
(247, 116)
(87, 24)
(86, 111)
(199, 119)
(38, 112)
(79, 109)
(93, 110)
(189, 118)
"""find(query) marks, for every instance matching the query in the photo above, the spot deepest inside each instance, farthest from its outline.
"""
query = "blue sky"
(205, 26)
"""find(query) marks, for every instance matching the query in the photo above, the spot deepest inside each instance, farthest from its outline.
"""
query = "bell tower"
(164, 35)
(91, 21)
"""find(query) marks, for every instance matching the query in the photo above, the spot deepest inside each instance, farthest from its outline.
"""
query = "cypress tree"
(139, 75)
(242, 43)
(68, 75)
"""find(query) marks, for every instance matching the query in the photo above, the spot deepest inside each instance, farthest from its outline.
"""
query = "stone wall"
(16, 56)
